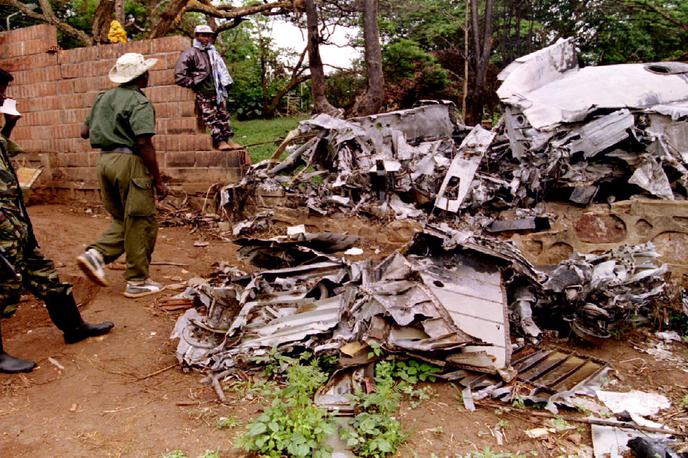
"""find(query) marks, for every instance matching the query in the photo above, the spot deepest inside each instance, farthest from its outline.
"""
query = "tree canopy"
(450, 49)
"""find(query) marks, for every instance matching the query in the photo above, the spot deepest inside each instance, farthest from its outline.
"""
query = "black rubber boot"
(10, 364)
(64, 313)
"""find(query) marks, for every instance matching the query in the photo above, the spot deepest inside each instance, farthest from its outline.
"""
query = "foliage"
(210, 454)
(227, 422)
(174, 454)
(412, 74)
(292, 425)
(263, 136)
(374, 434)
(375, 431)
(684, 402)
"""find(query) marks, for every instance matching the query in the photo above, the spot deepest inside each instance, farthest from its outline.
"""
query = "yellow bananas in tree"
(117, 34)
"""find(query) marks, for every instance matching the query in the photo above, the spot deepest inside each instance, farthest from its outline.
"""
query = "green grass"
(262, 136)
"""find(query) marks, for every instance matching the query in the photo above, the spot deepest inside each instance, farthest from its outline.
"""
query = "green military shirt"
(119, 116)
(8, 181)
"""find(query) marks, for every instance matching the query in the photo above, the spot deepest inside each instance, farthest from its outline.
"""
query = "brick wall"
(56, 89)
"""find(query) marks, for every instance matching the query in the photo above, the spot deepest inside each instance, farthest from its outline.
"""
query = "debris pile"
(457, 295)
(586, 130)
(442, 300)
(600, 293)
(382, 165)
(583, 134)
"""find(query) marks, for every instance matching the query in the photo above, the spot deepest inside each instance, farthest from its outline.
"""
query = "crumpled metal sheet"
(457, 181)
(584, 129)
(552, 91)
(598, 292)
(388, 164)
(449, 307)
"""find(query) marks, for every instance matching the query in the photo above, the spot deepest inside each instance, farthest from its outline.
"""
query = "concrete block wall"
(55, 90)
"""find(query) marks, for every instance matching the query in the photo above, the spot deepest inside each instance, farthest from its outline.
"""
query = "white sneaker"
(91, 263)
(142, 288)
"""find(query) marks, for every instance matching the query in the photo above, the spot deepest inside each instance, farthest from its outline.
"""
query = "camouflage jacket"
(9, 187)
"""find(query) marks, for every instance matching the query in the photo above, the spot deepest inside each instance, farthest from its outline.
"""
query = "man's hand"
(12, 118)
(10, 122)
(161, 190)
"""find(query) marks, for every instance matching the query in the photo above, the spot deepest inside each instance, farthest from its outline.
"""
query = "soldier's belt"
(118, 149)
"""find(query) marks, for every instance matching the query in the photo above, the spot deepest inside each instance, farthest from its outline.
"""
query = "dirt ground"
(123, 394)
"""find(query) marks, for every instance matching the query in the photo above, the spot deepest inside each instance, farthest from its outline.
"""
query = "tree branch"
(638, 5)
(49, 17)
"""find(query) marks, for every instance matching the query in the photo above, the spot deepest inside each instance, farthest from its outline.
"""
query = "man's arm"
(10, 122)
(147, 150)
(181, 70)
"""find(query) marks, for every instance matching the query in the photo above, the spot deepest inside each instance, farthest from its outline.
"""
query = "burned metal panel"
(537, 69)
(474, 296)
(460, 175)
(572, 98)
(427, 121)
(600, 134)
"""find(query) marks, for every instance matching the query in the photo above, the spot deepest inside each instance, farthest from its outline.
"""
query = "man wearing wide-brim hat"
(201, 69)
(122, 124)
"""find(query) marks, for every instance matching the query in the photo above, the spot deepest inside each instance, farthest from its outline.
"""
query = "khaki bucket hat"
(129, 66)
(203, 29)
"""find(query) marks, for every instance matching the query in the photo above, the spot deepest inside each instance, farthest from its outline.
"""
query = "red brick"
(169, 93)
(176, 43)
(42, 104)
(177, 126)
(79, 55)
(174, 110)
(161, 77)
(36, 32)
(36, 61)
(37, 75)
(92, 155)
(211, 159)
(65, 86)
(77, 115)
(166, 61)
(93, 83)
(29, 47)
(180, 159)
(67, 131)
(195, 175)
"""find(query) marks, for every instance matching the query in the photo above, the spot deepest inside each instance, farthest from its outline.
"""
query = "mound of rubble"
(461, 294)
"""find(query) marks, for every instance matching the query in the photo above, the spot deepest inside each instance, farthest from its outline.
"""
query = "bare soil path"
(110, 400)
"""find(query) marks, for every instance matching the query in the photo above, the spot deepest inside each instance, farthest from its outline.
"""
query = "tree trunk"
(482, 47)
(318, 86)
(119, 11)
(101, 21)
(165, 20)
(371, 101)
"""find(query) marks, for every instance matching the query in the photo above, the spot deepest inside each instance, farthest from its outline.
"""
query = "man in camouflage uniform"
(22, 265)
(201, 69)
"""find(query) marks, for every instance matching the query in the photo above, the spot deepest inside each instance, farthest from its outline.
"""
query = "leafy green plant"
(519, 402)
(412, 371)
(174, 454)
(374, 435)
(210, 454)
(227, 422)
(292, 425)
(684, 402)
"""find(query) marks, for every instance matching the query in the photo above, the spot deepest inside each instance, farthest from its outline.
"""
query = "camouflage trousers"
(215, 117)
(32, 271)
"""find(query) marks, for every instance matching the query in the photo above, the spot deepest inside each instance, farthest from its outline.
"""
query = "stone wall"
(55, 90)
